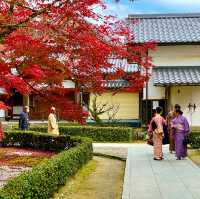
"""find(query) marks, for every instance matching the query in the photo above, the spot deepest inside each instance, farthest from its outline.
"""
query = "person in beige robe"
(169, 119)
(52, 122)
(171, 115)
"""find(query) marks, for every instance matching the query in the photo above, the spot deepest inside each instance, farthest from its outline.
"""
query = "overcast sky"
(125, 7)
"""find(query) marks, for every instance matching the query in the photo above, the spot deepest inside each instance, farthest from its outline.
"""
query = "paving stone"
(146, 178)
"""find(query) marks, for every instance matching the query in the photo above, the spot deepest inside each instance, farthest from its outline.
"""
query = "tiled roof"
(180, 75)
(121, 63)
(120, 83)
(166, 28)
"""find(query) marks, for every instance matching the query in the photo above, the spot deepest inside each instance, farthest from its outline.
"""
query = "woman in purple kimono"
(181, 129)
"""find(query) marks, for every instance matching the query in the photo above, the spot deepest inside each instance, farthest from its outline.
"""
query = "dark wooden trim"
(140, 104)
(166, 85)
(167, 97)
(172, 43)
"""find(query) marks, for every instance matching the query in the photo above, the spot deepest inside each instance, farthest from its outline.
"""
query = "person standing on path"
(24, 119)
(171, 115)
(181, 129)
(156, 128)
(52, 122)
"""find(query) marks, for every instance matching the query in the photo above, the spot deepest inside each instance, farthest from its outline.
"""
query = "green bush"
(37, 140)
(116, 123)
(44, 179)
(98, 134)
(194, 140)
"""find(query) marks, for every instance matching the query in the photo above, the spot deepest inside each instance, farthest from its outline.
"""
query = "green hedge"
(98, 134)
(194, 140)
(42, 181)
(116, 123)
(37, 140)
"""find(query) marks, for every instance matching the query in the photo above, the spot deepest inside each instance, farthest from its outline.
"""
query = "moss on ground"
(101, 178)
(25, 161)
(194, 155)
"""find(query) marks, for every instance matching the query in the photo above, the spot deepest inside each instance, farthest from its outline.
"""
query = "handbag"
(150, 140)
(150, 136)
(186, 140)
(166, 135)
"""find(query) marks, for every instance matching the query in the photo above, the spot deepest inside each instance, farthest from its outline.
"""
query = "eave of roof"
(166, 29)
(120, 64)
(164, 15)
(114, 84)
(176, 75)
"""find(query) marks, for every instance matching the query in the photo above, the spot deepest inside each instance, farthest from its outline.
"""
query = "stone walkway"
(146, 178)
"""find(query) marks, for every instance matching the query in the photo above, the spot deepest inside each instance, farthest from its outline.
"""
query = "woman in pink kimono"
(156, 128)
(181, 129)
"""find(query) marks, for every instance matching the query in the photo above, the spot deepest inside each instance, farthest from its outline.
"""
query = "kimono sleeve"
(164, 122)
(150, 130)
(186, 125)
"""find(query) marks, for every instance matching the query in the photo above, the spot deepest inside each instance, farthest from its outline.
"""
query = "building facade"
(175, 77)
(126, 105)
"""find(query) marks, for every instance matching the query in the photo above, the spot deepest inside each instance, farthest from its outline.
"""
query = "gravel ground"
(7, 172)
(113, 149)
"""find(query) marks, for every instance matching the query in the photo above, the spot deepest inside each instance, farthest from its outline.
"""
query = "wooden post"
(77, 97)
(77, 93)
(147, 93)
(167, 97)
(26, 100)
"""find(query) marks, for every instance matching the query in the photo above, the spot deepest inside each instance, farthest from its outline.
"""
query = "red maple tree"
(47, 42)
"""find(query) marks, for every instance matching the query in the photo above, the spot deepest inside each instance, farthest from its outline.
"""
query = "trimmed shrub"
(116, 123)
(194, 140)
(37, 140)
(44, 179)
(98, 134)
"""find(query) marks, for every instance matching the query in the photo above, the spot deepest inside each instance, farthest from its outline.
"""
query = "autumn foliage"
(46, 42)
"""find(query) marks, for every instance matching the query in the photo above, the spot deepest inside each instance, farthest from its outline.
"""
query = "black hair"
(159, 109)
(179, 111)
(153, 111)
(177, 107)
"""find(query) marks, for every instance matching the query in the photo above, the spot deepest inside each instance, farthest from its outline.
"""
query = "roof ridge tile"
(164, 15)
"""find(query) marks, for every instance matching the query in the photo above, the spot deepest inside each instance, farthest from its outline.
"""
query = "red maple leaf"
(51, 41)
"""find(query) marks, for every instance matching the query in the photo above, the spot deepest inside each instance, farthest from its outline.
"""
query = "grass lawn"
(101, 178)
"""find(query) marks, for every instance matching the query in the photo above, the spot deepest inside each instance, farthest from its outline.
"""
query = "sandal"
(157, 158)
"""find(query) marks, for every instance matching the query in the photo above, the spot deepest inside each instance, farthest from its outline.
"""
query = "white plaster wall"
(187, 94)
(68, 84)
(128, 104)
(183, 55)
(180, 55)
(2, 113)
(154, 92)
